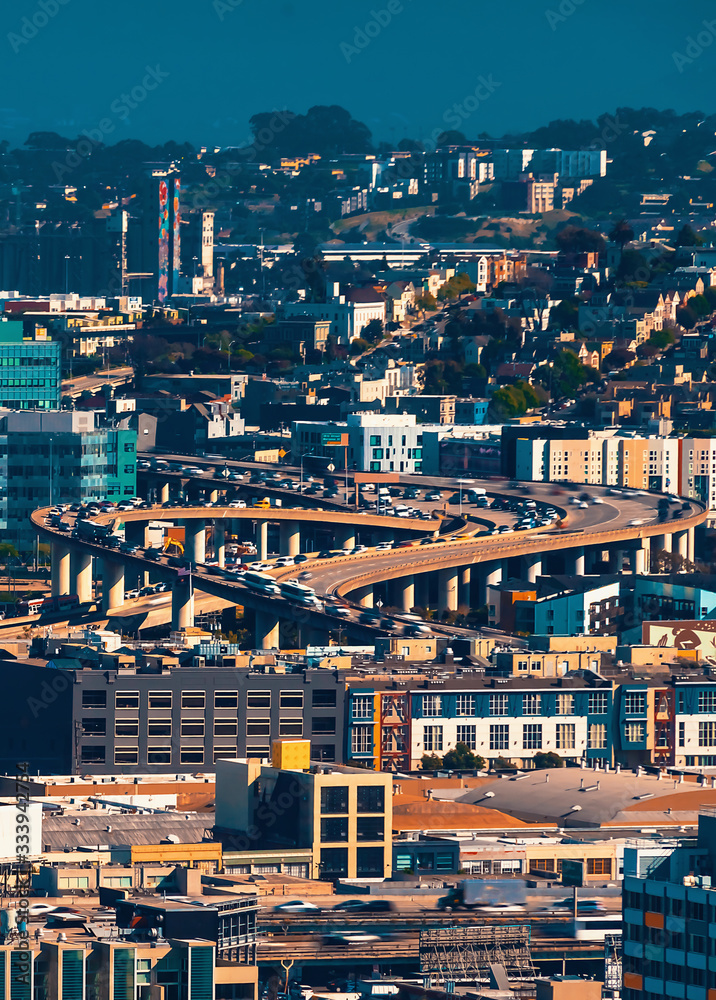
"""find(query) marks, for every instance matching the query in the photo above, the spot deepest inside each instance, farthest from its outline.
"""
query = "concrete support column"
(164, 492)
(60, 563)
(112, 585)
(262, 540)
(363, 596)
(220, 543)
(639, 561)
(290, 538)
(690, 551)
(464, 586)
(533, 566)
(195, 541)
(404, 593)
(574, 561)
(422, 590)
(345, 536)
(182, 605)
(657, 543)
(82, 576)
(266, 630)
(495, 572)
(668, 545)
(213, 495)
(447, 590)
(681, 544)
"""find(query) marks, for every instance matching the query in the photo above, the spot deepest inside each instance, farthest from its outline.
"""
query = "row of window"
(432, 704)
(197, 699)
(164, 727)
(565, 737)
(129, 756)
(335, 829)
(369, 799)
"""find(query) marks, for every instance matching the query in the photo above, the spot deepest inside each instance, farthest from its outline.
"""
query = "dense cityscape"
(357, 517)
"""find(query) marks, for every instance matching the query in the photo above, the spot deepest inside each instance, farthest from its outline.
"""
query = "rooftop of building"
(93, 830)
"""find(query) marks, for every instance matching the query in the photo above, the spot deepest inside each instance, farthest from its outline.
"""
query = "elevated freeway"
(458, 562)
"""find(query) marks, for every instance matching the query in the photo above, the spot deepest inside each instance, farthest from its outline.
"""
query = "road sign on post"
(333, 439)
(572, 872)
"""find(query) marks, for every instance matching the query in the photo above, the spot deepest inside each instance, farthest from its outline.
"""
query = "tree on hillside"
(687, 237)
(577, 239)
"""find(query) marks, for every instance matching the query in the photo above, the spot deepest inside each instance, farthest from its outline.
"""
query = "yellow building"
(342, 814)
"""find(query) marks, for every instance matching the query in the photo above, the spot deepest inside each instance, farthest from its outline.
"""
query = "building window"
(258, 699)
(597, 737)
(126, 699)
(599, 866)
(707, 701)
(226, 699)
(361, 739)
(682, 734)
(191, 755)
(323, 727)
(707, 734)
(94, 699)
(126, 756)
(362, 707)
(371, 798)
(532, 737)
(226, 727)
(192, 727)
(634, 732)
(92, 755)
(598, 703)
(565, 736)
(498, 704)
(224, 753)
(432, 706)
(94, 727)
(370, 828)
(126, 728)
(334, 799)
(433, 739)
(334, 829)
(290, 727)
(370, 862)
(290, 699)
(193, 699)
(159, 728)
(565, 704)
(465, 704)
(159, 755)
(334, 862)
(634, 703)
(159, 699)
(531, 704)
(499, 737)
(258, 727)
(468, 736)
(522, 665)
(322, 698)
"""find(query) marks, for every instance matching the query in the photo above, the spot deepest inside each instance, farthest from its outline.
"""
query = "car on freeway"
(584, 505)
(296, 906)
(259, 567)
(383, 546)
(574, 500)
(237, 504)
(305, 575)
(583, 905)
(328, 554)
(284, 561)
(364, 906)
(597, 500)
(338, 610)
(433, 495)
(38, 910)
(504, 529)
(358, 548)
(351, 938)
(302, 557)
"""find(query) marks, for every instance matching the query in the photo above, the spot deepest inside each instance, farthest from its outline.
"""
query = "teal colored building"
(59, 457)
(30, 369)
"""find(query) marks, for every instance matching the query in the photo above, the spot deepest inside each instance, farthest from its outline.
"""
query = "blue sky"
(404, 67)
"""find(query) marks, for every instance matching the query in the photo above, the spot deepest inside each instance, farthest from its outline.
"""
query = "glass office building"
(30, 368)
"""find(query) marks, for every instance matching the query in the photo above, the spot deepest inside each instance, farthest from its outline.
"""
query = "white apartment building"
(347, 314)
(376, 442)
